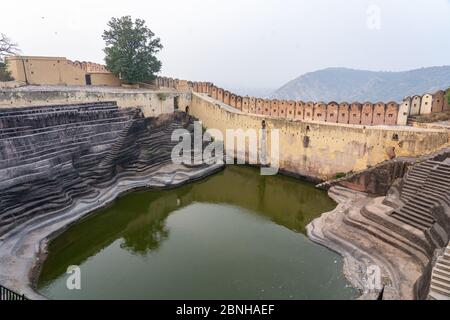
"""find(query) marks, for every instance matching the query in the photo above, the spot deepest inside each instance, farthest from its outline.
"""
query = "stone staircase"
(50, 156)
(411, 120)
(39, 150)
(440, 277)
(108, 160)
(400, 232)
(425, 187)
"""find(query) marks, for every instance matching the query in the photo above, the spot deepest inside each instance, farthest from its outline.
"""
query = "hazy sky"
(245, 43)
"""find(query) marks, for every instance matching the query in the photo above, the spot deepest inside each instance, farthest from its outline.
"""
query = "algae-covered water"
(234, 235)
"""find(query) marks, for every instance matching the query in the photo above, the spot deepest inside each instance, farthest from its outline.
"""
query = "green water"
(235, 235)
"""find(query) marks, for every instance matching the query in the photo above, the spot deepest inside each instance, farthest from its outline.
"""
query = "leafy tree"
(7, 48)
(447, 96)
(130, 50)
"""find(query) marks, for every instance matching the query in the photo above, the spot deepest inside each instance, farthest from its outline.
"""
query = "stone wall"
(50, 156)
(379, 179)
(152, 103)
(35, 70)
(367, 113)
(322, 150)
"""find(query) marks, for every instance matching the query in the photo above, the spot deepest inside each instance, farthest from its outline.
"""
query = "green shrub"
(340, 175)
(5, 75)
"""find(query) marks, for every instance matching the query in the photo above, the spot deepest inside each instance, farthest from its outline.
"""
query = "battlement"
(89, 67)
(34, 70)
(366, 113)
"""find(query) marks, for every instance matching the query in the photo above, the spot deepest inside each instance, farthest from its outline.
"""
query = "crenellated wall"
(34, 70)
(151, 103)
(321, 150)
(367, 113)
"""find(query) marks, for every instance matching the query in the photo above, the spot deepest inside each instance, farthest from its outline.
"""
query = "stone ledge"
(361, 249)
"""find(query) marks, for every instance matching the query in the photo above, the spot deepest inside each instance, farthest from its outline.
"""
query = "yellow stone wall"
(55, 71)
(152, 103)
(332, 148)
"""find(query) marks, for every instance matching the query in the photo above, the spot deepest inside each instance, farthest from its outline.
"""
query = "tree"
(7, 48)
(130, 50)
(447, 96)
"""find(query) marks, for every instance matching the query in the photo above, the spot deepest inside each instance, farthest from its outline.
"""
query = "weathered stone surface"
(400, 233)
(378, 179)
(321, 150)
(59, 163)
(440, 277)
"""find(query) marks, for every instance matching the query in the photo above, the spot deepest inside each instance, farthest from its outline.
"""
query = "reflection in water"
(203, 240)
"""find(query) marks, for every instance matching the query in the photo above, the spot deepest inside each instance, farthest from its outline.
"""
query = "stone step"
(438, 289)
(441, 277)
(435, 181)
(382, 217)
(409, 221)
(419, 206)
(410, 209)
(442, 266)
(422, 202)
(442, 285)
(442, 272)
(435, 196)
(385, 235)
(413, 217)
(444, 260)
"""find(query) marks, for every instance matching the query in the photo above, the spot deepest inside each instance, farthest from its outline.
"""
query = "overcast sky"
(245, 43)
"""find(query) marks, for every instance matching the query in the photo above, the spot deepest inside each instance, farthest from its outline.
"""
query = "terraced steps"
(440, 278)
(425, 187)
(52, 156)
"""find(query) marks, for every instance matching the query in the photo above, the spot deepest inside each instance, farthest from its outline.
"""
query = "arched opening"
(176, 102)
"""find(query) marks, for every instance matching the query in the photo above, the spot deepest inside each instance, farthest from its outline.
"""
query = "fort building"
(59, 71)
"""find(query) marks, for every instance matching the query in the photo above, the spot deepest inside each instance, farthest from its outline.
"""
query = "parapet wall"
(322, 150)
(151, 103)
(34, 70)
(364, 113)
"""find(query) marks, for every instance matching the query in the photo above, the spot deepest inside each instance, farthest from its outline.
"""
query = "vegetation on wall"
(131, 49)
(5, 75)
(7, 48)
(447, 96)
(162, 96)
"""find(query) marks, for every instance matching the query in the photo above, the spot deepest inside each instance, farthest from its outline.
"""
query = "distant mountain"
(342, 84)
(251, 91)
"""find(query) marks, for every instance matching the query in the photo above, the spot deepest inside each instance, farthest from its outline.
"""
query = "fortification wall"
(59, 71)
(369, 114)
(322, 150)
(151, 103)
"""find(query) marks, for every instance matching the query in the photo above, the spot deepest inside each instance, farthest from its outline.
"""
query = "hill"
(343, 84)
